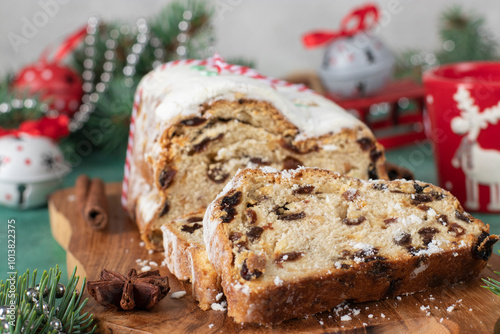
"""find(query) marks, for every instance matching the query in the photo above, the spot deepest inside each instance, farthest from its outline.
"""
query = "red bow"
(55, 128)
(68, 45)
(356, 21)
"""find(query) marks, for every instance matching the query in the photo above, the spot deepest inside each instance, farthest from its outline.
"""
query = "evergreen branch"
(466, 39)
(111, 118)
(35, 316)
(492, 284)
(22, 106)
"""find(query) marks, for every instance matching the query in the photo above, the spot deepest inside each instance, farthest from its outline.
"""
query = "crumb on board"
(219, 306)
(178, 294)
(345, 318)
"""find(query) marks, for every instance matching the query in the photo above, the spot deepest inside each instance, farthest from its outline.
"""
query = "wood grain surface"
(475, 309)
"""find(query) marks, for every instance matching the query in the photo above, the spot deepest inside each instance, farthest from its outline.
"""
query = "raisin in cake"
(186, 257)
(197, 122)
(287, 244)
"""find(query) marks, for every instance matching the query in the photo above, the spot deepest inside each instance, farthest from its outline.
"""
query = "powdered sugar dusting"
(243, 288)
(368, 250)
(222, 306)
(330, 147)
(268, 169)
(432, 248)
(278, 281)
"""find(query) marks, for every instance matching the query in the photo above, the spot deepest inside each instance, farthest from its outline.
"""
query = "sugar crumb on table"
(178, 294)
(345, 318)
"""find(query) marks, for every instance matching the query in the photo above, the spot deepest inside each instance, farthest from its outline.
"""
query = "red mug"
(463, 104)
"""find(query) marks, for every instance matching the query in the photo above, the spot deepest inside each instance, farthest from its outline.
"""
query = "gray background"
(267, 32)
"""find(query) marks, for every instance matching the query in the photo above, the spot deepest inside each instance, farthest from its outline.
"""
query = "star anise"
(141, 291)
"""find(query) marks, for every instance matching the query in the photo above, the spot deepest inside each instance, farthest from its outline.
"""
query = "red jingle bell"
(53, 81)
(56, 83)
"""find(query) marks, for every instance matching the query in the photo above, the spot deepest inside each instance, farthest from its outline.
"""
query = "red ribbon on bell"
(360, 19)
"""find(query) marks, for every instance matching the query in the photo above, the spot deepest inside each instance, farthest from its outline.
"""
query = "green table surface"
(36, 248)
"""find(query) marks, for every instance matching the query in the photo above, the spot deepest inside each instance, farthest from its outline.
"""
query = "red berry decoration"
(53, 81)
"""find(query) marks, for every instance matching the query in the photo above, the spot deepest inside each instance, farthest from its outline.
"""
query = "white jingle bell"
(356, 66)
(31, 167)
(355, 63)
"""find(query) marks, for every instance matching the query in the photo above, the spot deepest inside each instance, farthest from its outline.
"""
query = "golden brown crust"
(276, 304)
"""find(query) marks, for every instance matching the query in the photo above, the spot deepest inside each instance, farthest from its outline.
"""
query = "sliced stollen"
(287, 244)
(197, 122)
(186, 257)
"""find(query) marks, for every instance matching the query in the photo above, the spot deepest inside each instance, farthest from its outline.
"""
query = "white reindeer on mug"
(480, 166)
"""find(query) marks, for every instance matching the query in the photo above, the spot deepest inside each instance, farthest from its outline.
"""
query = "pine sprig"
(467, 33)
(32, 317)
(465, 37)
(22, 107)
(492, 284)
(107, 127)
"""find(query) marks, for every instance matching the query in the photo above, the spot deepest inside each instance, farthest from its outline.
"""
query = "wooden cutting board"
(475, 309)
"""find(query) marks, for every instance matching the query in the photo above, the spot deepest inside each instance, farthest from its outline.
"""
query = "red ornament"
(52, 81)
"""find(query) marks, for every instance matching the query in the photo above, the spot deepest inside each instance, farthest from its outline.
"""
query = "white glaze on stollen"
(181, 89)
(170, 245)
(148, 202)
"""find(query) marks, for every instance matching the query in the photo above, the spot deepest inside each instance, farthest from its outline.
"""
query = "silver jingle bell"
(25, 326)
(60, 290)
(4, 325)
(56, 324)
(46, 309)
(4, 310)
(37, 307)
(45, 290)
(32, 295)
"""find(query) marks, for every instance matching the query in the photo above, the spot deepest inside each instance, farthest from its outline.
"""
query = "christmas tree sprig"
(44, 307)
(464, 37)
(111, 118)
(17, 108)
(492, 284)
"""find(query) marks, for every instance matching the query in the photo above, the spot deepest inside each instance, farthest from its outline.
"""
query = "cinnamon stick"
(81, 191)
(91, 201)
(95, 211)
